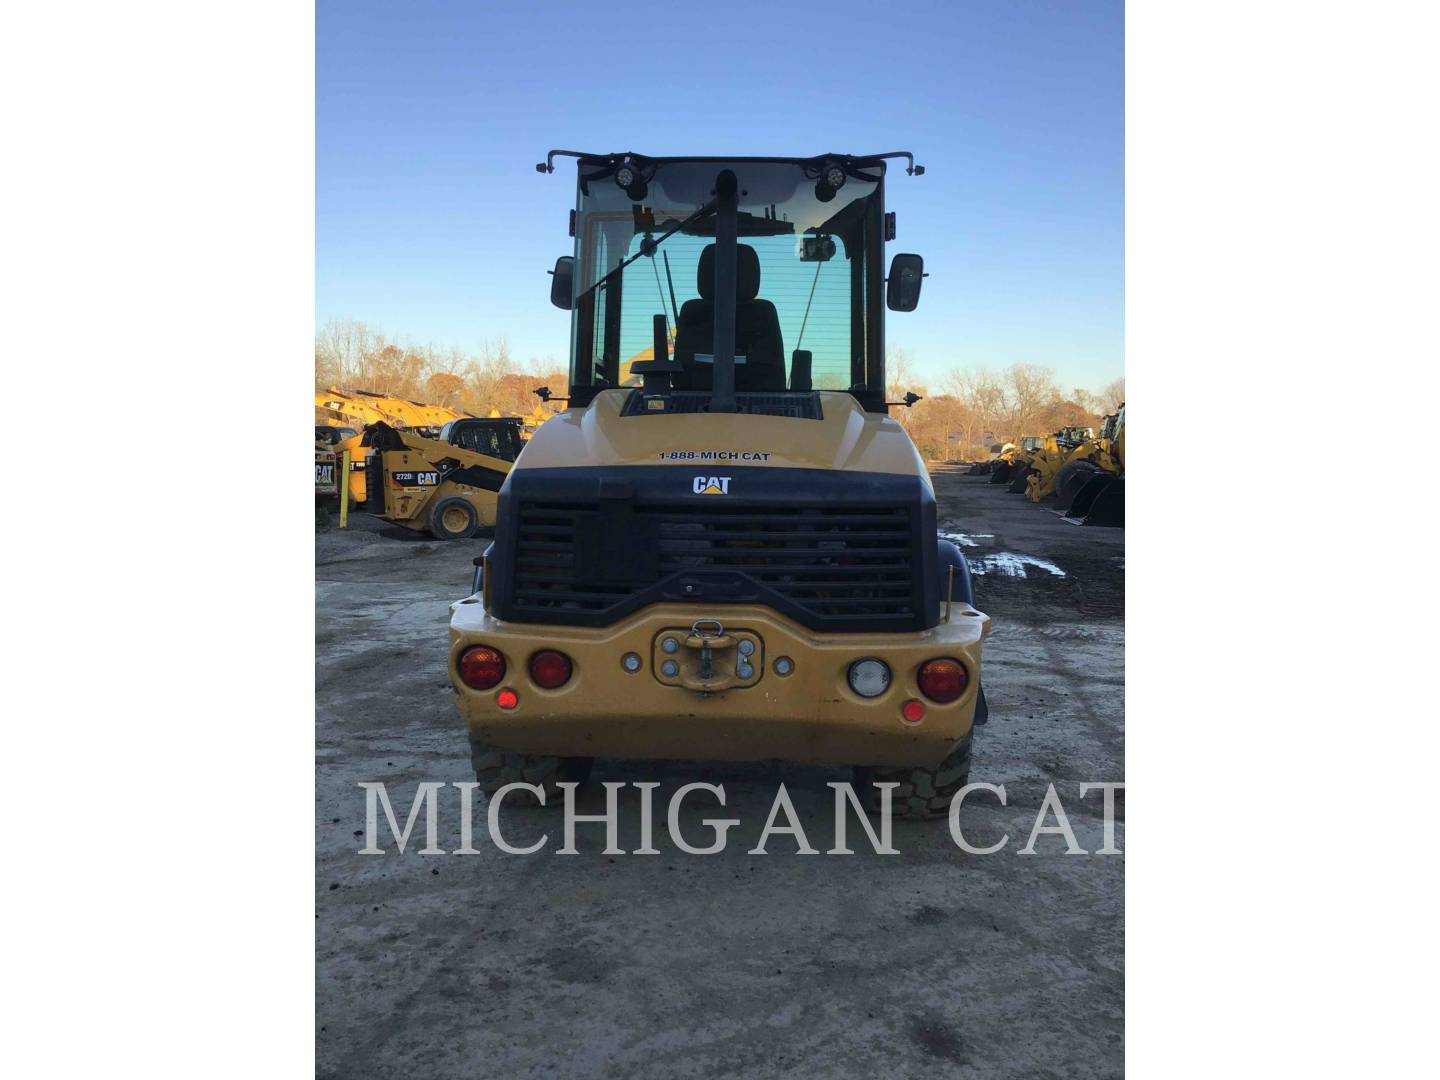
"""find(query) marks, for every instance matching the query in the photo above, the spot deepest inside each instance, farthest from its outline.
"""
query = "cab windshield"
(807, 275)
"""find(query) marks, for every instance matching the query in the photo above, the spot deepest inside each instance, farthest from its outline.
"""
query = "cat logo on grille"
(712, 485)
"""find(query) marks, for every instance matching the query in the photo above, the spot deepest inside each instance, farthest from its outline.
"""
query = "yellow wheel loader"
(1014, 459)
(1093, 493)
(1048, 453)
(1070, 445)
(446, 486)
(736, 559)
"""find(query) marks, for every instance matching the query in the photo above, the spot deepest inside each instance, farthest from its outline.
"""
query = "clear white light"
(669, 644)
(747, 647)
(625, 176)
(631, 661)
(670, 669)
(869, 678)
(835, 176)
(744, 670)
(784, 665)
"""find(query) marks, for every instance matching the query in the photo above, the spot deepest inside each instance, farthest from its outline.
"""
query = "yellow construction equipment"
(1069, 444)
(326, 472)
(325, 480)
(359, 455)
(347, 408)
(360, 408)
(1093, 492)
(736, 558)
(445, 486)
(1015, 457)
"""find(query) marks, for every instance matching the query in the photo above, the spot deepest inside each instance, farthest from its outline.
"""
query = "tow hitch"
(706, 659)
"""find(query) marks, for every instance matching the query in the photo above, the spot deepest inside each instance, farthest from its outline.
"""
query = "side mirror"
(902, 291)
(562, 284)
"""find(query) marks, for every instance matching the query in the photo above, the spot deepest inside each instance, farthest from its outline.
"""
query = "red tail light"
(943, 680)
(481, 667)
(550, 669)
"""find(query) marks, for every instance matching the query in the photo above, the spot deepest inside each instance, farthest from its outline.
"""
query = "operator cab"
(731, 285)
(497, 437)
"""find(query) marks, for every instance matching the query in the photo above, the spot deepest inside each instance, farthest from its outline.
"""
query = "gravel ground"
(674, 965)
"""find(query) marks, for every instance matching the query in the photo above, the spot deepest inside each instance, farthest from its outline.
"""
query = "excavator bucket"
(1100, 502)
(1072, 477)
(1019, 479)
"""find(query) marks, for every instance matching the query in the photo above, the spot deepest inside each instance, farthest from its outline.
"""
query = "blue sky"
(432, 223)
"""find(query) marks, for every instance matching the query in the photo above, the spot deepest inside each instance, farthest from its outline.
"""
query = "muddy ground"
(929, 961)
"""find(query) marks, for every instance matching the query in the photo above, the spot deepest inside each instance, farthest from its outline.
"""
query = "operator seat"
(757, 330)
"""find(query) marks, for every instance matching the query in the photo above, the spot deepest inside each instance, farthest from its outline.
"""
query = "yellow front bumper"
(809, 715)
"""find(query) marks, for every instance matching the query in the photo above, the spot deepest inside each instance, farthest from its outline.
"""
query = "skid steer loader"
(736, 559)
(445, 486)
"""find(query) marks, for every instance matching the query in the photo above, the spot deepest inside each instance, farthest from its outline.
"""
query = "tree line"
(349, 353)
(975, 408)
(970, 410)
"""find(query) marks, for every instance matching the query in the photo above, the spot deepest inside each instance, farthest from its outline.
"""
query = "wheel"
(495, 768)
(453, 519)
(923, 793)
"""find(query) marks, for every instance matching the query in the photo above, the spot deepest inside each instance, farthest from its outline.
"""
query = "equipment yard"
(931, 960)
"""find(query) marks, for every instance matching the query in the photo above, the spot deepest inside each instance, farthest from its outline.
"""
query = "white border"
(158, 284)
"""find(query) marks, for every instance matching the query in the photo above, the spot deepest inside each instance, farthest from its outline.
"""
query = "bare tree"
(350, 354)
(1113, 396)
(1029, 390)
(982, 394)
(900, 376)
(899, 370)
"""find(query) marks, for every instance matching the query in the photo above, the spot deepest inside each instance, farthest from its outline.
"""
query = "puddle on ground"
(966, 539)
(1004, 563)
(1007, 564)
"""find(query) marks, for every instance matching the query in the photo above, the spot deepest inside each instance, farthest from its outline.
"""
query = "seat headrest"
(747, 273)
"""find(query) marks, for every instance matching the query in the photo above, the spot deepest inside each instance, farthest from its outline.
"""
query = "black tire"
(923, 793)
(495, 768)
(456, 510)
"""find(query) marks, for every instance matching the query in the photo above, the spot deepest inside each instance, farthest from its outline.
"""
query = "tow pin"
(707, 656)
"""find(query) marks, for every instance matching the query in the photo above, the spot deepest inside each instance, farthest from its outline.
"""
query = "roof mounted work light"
(832, 179)
(628, 177)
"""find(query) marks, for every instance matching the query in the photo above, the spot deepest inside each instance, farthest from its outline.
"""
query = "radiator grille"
(826, 565)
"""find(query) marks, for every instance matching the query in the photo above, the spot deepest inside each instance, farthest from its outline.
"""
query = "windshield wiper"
(648, 246)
